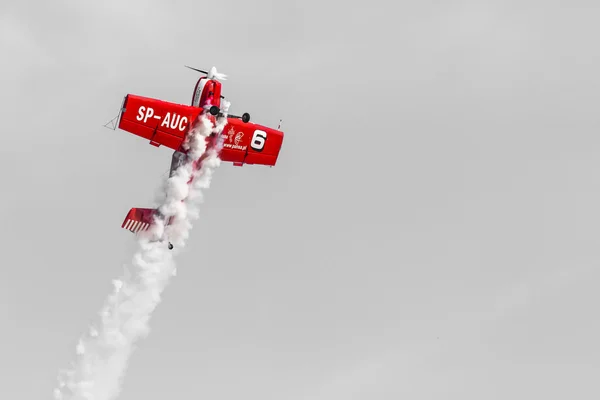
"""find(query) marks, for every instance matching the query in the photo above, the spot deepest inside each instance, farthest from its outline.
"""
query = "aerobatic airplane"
(164, 123)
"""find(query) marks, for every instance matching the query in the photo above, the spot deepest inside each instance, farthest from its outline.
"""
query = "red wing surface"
(249, 143)
(161, 122)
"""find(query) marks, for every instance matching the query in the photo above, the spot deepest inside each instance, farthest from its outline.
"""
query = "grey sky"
(430, 230)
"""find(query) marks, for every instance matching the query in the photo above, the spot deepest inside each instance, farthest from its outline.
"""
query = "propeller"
(221, 76)
(211, 74)
(216, 74)
(196, 69)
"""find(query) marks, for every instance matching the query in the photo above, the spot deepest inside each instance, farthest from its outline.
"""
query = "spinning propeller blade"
(196, 69)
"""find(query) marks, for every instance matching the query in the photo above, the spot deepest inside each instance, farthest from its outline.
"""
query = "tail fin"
(138, 219)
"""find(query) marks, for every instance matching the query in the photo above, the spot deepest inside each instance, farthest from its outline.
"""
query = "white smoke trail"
(103, 353)
(179, 230)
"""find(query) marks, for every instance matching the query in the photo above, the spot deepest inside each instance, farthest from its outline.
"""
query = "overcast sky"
(430, 231)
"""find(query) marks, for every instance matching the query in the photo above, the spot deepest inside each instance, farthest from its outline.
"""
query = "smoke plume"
(102, 354)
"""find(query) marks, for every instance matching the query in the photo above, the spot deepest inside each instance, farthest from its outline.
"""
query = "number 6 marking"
(258, 140)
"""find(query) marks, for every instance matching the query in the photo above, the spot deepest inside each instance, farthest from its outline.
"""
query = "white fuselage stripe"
(198, 94)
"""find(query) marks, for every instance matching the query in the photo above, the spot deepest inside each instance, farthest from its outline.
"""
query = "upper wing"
(249, 143)
(161, 122)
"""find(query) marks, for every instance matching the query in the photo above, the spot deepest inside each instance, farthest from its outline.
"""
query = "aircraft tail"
(140, 219)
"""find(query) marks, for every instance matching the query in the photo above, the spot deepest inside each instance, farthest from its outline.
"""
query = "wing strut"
(113, 123)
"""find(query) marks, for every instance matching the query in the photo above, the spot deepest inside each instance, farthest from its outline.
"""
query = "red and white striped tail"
(138, 219)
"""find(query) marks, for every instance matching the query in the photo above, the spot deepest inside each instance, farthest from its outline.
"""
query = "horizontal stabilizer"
(138, 219)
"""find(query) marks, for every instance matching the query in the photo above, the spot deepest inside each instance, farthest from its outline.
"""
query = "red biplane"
(164, 123)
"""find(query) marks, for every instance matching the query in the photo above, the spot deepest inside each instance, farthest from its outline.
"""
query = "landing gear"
(170, 246)
(214, 110)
